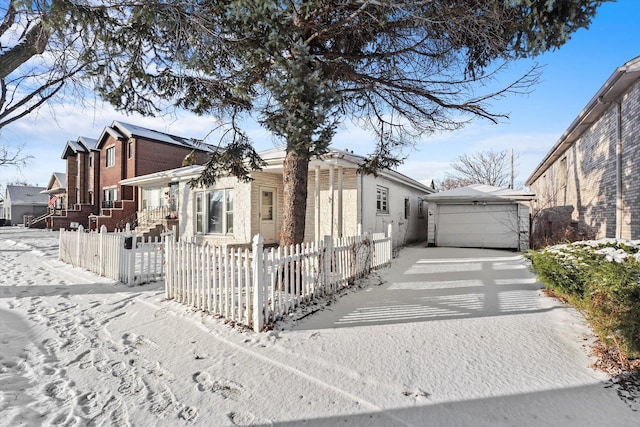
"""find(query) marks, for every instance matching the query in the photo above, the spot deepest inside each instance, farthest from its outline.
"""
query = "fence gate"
(119, 256)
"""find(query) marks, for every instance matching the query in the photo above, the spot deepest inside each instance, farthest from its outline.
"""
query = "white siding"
(241, 215)
(405, 230)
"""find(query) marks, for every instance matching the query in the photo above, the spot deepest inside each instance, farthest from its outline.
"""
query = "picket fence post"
(60, 245)
(103, 230)
(130, 256)
(326, 267)
(78, 245)
(258, 282)
(390, 236)
(169, 266)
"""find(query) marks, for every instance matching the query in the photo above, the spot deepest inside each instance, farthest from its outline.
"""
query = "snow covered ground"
(456, 349)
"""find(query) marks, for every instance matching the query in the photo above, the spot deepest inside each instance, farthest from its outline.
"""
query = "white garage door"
(477, 226)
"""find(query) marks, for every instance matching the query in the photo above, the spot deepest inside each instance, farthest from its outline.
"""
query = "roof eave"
(620, 80)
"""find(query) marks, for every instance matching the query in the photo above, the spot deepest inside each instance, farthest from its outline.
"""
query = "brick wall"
(587, 179)
(72, 180)
(110, 176)
(152, 156)
(631, 162)
(146, 157)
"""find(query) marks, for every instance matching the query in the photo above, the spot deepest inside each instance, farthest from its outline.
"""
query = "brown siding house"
(587, 185)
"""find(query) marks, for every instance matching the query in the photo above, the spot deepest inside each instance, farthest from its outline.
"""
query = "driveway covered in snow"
(427, 284)
(444, 337)
(469, 338)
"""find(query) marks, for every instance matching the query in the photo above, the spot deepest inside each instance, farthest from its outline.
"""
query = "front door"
(268, 214)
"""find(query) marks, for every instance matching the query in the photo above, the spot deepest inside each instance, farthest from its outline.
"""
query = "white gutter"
(619, 81)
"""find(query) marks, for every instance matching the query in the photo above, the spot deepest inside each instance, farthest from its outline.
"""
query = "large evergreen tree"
(400, 68)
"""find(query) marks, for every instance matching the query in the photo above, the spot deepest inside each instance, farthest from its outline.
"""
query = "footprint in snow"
(417, 393)
(241, 418)
(228, 389)
(188, 413)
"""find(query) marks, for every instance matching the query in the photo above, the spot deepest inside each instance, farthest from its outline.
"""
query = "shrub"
(602, 279)
(562, 269)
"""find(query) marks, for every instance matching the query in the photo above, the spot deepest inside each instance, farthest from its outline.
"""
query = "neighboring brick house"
(127, 151)
(94, 196)
(73, 197)
(587, 185)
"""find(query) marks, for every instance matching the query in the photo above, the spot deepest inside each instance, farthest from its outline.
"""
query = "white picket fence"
(105, 254)
(257, 287)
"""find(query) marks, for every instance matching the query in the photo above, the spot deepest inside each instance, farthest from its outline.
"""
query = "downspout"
(619, 199)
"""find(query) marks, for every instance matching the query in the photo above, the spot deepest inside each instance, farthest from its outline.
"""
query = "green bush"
(602, 279)
(563, 270)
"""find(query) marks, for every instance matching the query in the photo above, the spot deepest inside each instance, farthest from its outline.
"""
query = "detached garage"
(479, 216)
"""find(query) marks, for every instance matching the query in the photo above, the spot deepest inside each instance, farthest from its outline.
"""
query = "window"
(214, 211)
(111, 156)
(109, 195)
(199, 213)
(420, 208)
(407, 207)
(91, 160)
(563, 172)
(152, 198)
(173, 196)
(382, 200)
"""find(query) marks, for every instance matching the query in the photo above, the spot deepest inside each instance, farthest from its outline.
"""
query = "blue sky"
(570, 77)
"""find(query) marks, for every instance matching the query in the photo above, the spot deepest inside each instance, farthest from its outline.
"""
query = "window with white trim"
(214, 211)
(111, 156)
(382, 200)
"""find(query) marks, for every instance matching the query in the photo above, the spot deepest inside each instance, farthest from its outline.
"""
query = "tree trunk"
(294, 175)
(33, 43)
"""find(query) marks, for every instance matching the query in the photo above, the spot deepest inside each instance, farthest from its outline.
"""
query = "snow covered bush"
(600, 277)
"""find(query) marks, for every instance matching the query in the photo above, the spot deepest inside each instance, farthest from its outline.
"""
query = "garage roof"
(479, 193)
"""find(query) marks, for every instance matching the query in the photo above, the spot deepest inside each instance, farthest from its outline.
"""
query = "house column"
(316, 199)
(331, 190)
(340, 225)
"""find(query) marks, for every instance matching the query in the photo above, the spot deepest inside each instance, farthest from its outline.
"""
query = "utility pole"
(512, 172)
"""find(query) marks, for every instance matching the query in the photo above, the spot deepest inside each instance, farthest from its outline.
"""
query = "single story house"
(57, 191)
(341, 202)
(587, 185)
(22, 202)
(479, 216)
